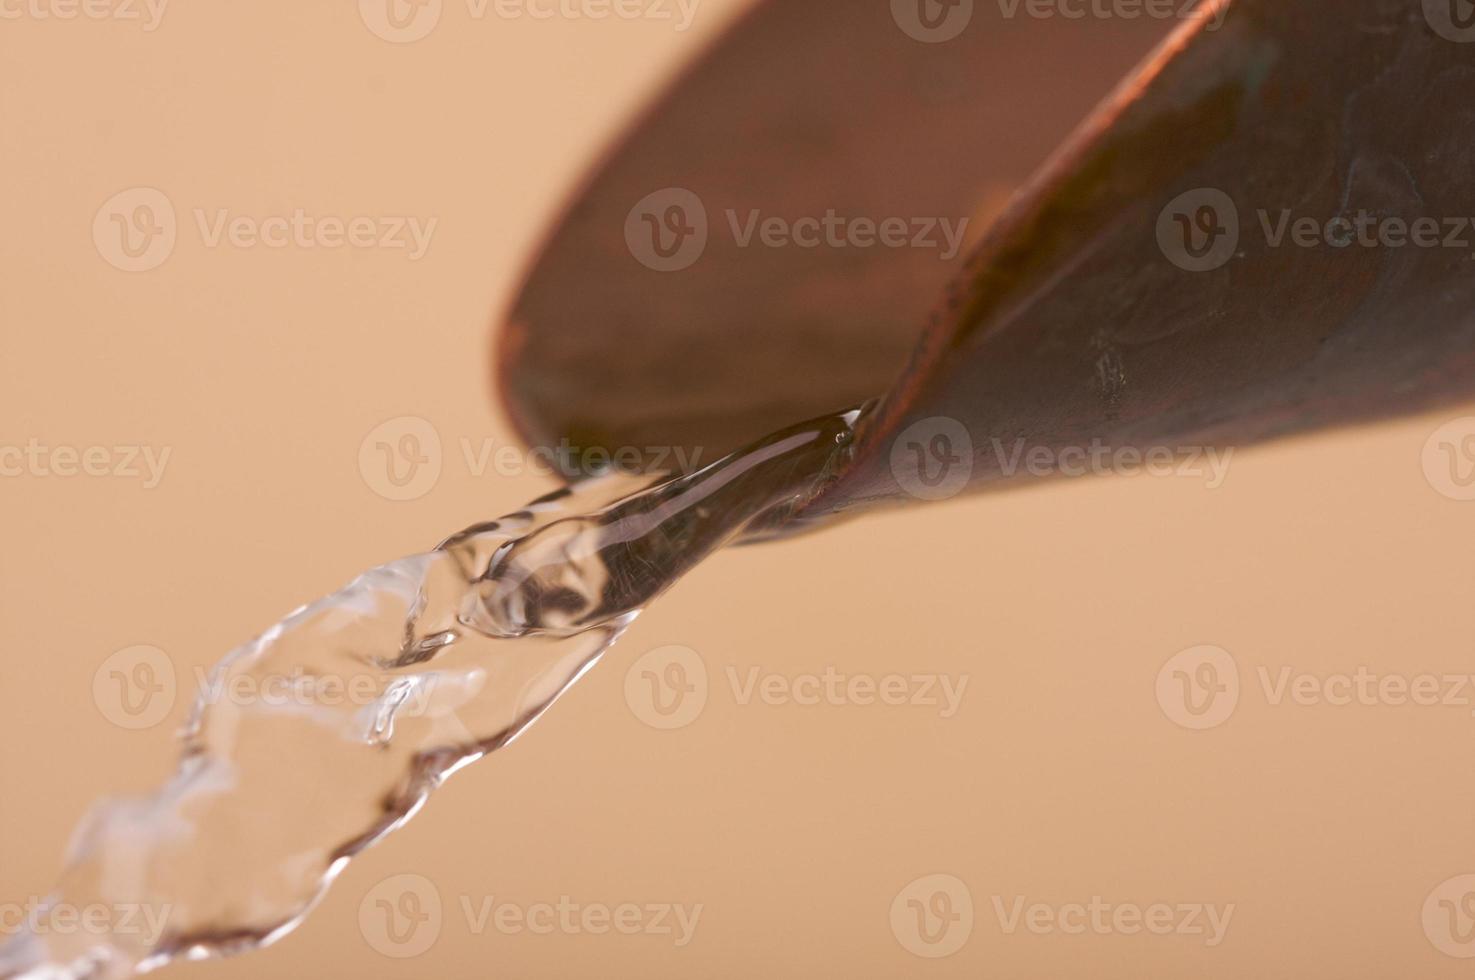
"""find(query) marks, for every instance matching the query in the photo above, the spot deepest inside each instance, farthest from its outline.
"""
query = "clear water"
(413, 670)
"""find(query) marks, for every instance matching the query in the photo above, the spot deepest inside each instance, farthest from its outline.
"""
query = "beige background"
(1061, 778)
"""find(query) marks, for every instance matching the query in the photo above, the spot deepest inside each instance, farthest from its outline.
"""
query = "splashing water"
(382, 690)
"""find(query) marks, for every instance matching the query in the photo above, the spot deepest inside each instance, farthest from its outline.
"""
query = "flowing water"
(382, 690)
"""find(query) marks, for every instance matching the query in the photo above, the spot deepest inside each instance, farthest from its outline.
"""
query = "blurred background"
(182, 443)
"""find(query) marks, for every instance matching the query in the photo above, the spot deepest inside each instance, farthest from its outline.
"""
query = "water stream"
(380, 691)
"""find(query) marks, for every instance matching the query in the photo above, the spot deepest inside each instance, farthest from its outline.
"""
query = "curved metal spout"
(1236, 245)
